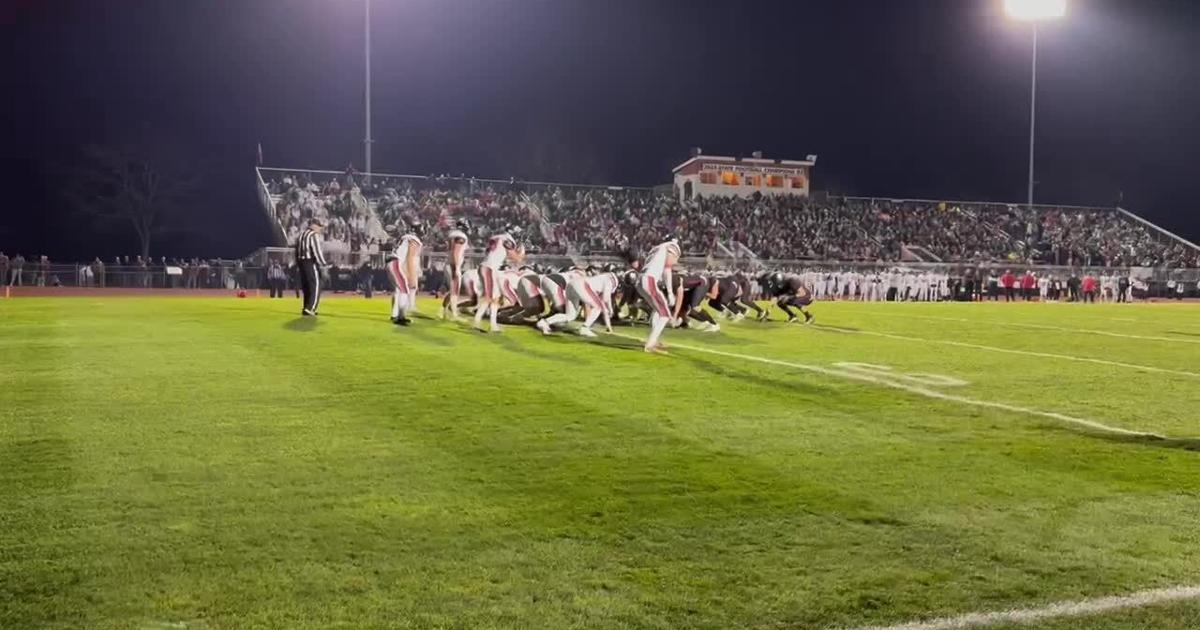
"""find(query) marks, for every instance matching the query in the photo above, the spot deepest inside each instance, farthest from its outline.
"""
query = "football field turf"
(221, 463)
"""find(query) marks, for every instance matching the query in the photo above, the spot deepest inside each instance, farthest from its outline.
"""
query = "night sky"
(899, 98)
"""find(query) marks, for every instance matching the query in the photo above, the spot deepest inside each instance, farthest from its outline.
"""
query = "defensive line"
(1046, 327)
(1031, 353)
(1076, 608)
(921, 391)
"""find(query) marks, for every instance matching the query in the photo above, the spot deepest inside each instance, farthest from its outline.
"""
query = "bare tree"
(125, 185)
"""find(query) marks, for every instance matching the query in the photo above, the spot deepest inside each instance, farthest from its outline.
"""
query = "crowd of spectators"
(1088, 237)
(596, 220)
(129, 272)
(350, 224)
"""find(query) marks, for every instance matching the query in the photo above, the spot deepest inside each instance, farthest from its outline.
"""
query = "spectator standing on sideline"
(275, 279)
(1009, 281)
(1089, 287)
(1028, 285)
(1123, 288)
(310, 259)
(239, 275)
(366, 279)
(43, 270)
(143, 272)
(294, 278)
(98, 271)
(3, 268)
(1073, 288)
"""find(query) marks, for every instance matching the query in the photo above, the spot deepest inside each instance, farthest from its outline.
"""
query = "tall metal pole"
(367, 46)
(1032, 111)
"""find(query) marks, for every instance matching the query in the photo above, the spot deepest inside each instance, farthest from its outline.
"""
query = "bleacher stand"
(585, 220)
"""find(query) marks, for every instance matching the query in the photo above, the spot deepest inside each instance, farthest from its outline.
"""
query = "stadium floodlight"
(1034, 11)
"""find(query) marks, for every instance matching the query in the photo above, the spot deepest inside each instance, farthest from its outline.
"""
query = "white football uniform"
(494, 256)
(594, 292)
(658, 269)
(398, 261)
(404, 280)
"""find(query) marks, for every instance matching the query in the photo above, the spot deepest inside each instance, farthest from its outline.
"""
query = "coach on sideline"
(310, 259)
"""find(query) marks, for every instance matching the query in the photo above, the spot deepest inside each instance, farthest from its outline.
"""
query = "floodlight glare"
(1035, 10)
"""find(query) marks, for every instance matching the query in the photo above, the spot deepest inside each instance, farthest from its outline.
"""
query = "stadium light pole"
(367, 81)
(1034, 12)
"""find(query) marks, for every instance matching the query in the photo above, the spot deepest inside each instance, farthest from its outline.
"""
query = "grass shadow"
(301, 324)
(608, 341)
(850, 329)
(712, 339)
(421, 333)
(753, 378)
(1182, 444)
(1185, 334)
(505, 342)
(383, 316)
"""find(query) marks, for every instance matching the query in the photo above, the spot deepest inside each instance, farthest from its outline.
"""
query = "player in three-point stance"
(457, 246)
(656, 274)
(522, 289)
(690, 292)
(404, 268)
(554, 289)
(501, 247)
(789, 289)
(595, 295)
(746, 296)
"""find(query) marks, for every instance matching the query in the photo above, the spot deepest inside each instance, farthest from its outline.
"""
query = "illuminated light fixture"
(1035, 10)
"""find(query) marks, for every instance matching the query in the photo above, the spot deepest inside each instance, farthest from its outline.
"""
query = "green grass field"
(221, 463)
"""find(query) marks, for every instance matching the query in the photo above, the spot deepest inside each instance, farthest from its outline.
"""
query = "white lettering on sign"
(766, 170)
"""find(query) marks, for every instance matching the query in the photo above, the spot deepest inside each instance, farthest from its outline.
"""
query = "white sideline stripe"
(1077, 608)
(1048, 355)
(1047, 327)
(922, 391)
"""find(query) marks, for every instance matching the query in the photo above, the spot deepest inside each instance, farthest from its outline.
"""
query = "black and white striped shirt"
(308, 247)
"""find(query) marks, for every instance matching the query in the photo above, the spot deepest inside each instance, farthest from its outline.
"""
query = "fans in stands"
(587, 220)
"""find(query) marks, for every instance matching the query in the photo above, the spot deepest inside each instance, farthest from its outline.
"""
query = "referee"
(310, 259)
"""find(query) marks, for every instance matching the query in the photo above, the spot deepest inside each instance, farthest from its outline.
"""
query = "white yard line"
(1076, 608)
(1047, 327)
(914, 389)
(1030, 353)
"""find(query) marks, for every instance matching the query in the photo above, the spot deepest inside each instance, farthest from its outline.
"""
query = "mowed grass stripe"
(1058, 328)
(965, 327)
(1042, 355)
(40, 465)
(992, 377)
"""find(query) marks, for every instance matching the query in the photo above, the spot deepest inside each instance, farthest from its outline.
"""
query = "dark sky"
(913, 98)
